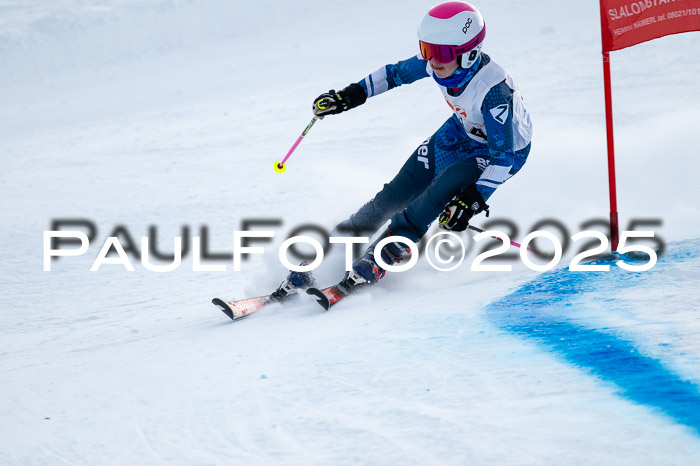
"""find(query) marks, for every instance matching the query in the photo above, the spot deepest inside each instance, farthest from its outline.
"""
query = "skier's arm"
(391, 76)
(497, 110)
(385, 78)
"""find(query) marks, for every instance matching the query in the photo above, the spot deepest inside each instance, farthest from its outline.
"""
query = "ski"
(242, 307)
(330, 296)
(238, 309)
(287, 291)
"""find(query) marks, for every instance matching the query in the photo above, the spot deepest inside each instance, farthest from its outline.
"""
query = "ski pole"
(280, 166)
(513, 243)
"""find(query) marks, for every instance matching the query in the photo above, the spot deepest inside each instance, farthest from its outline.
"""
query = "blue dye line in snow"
(538, 310)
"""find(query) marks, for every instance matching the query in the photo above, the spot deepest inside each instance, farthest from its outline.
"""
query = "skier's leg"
(415, 219)
(413, 178)
(415, 175)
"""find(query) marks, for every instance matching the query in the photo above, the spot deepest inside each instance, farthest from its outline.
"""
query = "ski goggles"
(448, 53)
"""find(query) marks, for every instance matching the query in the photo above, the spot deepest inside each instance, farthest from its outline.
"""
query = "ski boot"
(366, 267)
(302, 279)
(293, 282)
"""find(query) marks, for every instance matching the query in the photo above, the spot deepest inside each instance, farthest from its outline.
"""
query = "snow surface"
(172, 112)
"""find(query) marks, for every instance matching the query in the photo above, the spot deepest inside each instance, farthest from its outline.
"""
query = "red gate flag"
(624, 23)
(628, 22)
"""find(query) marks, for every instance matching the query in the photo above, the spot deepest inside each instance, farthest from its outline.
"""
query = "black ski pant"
(417, 195)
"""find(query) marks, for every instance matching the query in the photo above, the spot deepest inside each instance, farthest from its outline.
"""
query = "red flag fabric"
(629, 22)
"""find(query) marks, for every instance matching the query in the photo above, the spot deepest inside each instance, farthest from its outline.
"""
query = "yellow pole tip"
(280, 167)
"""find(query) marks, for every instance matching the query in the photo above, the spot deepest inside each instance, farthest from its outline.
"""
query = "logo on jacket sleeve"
(500, 113)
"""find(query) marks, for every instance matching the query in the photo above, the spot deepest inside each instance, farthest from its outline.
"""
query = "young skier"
(456, 170)
(450, 175)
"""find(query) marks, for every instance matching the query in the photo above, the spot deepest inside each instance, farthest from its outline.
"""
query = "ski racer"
(454, 172)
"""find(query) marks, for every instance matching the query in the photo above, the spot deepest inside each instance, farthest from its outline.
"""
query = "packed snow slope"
(170, 114)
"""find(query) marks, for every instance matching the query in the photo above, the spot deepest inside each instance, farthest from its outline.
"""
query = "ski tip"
(224, 307)
(321, 298)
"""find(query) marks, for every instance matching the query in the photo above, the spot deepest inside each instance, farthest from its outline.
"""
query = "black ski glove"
(462, 207)
(332, 102)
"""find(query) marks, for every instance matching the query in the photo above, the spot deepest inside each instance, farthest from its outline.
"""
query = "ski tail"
(327, 297)
(238, 309)
(243, 307)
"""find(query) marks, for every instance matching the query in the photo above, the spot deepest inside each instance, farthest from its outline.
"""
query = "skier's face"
(443, 70)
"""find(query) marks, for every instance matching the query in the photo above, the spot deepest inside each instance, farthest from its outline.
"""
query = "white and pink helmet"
(452, 29)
